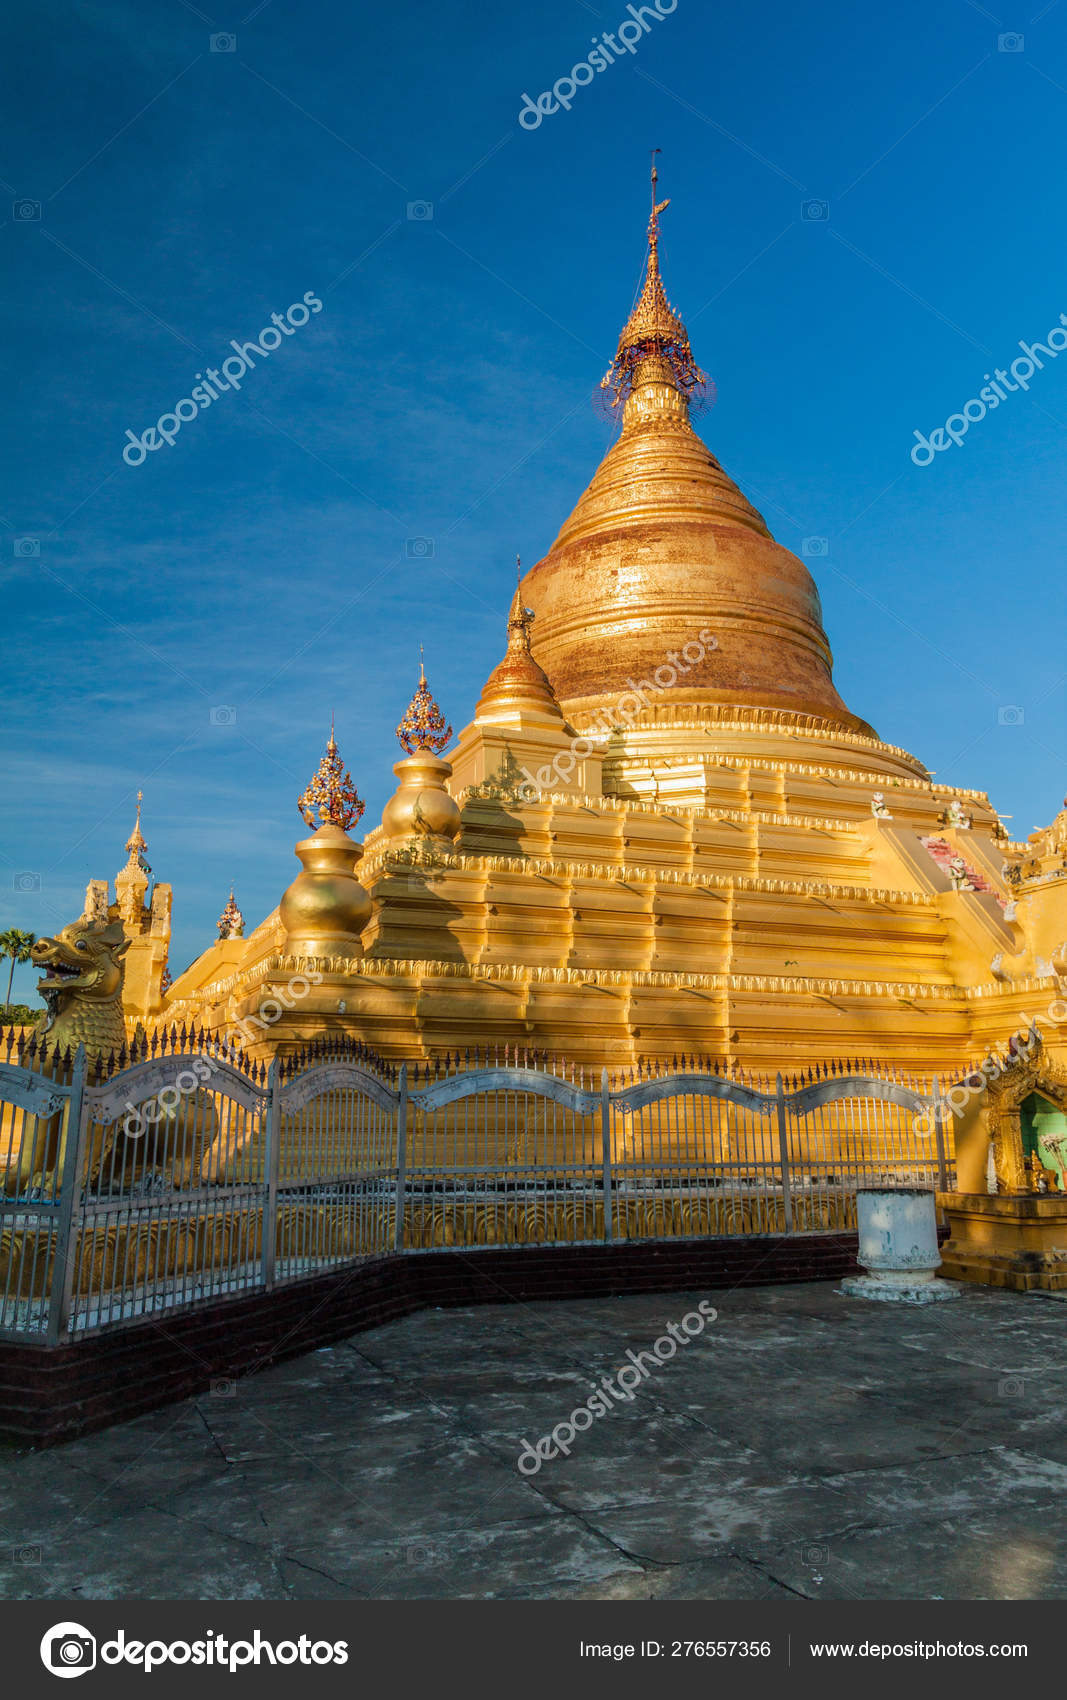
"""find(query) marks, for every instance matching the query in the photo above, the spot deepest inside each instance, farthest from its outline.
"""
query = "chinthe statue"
(82, 985)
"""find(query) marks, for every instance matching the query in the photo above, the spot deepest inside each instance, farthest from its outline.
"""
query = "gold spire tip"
(136, 844)
(654, 331)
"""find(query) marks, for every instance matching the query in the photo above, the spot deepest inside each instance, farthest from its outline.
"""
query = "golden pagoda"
(662, 832)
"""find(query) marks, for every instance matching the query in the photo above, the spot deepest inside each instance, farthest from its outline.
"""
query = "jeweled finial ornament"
(654, 329)
(231, 921)
(423, 726)
(331, 792)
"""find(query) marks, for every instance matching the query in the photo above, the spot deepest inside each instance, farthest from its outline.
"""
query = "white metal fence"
(189, 1174)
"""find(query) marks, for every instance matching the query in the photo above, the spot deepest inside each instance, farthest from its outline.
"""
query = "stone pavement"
(804, 1444)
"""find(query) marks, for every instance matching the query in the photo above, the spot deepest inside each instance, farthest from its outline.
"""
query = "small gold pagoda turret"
(421, 814)
(132, 881)
(146, 926)
(231, 921)
(326, 909)
(519, 741)
(517, 683)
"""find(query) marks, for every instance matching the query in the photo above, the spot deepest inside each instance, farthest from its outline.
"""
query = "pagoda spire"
(520, 618)
(231, 921)
(132, 880)
(135, 844)
(518, 680)
(325, 909)
(331, 792)
(421, 816)
(423, 726)
(654, 336)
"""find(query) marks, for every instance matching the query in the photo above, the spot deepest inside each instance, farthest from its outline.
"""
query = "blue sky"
(260, 565)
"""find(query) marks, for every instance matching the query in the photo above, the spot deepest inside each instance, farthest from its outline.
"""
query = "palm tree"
(16, 944)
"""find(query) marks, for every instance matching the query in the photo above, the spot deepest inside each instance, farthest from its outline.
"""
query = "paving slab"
(551, 1555)
(804, 1445)
(147, 1556)
(1002, 1555)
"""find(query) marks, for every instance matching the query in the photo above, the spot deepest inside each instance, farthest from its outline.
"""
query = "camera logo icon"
(25, 547)
(223, 714)
(816, 212)
(419, 548)
(1011, 1387)
(1010, 715)
(26, 212)
(815, 546)
(1011, 42)
(223, 43)
(68, 1649)
(420, 212)
(27, 882)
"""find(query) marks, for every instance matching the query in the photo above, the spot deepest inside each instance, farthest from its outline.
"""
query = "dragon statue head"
(82, 984)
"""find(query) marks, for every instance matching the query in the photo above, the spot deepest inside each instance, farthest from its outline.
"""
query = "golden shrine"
(662, 831)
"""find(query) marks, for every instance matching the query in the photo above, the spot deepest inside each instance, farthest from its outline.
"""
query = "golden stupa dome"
(663, 551)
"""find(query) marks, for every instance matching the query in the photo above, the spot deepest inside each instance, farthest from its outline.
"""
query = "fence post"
(401, 1155)
(271, 1162)
(605, 1152)
(783, 1158)
(72, 1149)
(939, 1134)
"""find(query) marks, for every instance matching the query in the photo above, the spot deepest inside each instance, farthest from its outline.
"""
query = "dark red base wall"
(51, 1395)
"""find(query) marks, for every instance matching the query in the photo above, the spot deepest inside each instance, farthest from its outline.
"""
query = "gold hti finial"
(331, 792)
(423, 726)
(653, 330)
(231, 921)
(520, 618)
(135, 844)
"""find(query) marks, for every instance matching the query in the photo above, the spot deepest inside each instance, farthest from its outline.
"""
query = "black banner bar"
(482, 1647)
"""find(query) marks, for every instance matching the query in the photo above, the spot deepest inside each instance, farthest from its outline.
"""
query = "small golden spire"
(653, 328)
(423, 726)
(331, 792)
(517, 679)
(135, 844)
(231, 921)
(520, 618)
